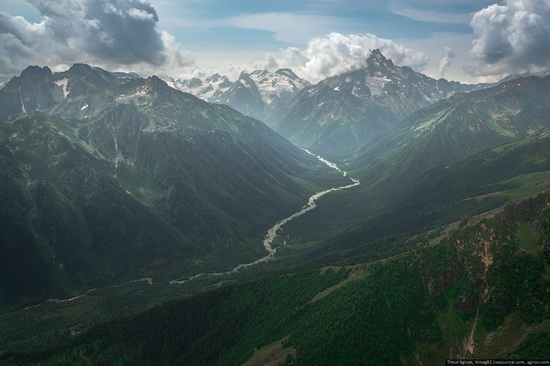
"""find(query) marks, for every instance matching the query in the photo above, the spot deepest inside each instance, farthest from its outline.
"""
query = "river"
(272, 233)
(267, 242)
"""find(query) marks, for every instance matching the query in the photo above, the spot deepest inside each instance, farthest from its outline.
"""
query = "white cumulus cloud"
(446, 61)
(109, 33)
(512, 37)
(337, 53)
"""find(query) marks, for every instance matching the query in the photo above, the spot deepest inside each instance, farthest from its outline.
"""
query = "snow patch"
(273, 85)
(22, 103)
(376, 84)
(63, 84)
(84, 107)
(140, 92)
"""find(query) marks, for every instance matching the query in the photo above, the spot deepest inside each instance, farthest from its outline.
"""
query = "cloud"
(337, 53)
(109, 33)
(287, 27)
(429, 15)
(446, 61)
(511, 37)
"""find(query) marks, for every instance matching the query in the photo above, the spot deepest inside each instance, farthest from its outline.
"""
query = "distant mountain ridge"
(261, 94)
(344, 113)
(338, 115)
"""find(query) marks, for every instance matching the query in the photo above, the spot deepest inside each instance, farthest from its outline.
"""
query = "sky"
(464, 40)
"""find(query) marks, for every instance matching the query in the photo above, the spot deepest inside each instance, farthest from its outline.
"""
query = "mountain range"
(112, 185)
(110, 178)
(458, 127)
(260, 94)
(339, 114)
(427, 171)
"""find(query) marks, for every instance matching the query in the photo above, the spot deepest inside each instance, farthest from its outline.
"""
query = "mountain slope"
(418, 176)
(454, 129)
(476, 290)
(73, 224)
(343, 113)
(103, 165)
(482, 182)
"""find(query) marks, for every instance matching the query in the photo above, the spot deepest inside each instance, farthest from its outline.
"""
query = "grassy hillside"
(478, 289)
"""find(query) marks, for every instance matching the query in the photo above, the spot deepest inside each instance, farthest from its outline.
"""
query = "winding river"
(272, 233)
(267, 242)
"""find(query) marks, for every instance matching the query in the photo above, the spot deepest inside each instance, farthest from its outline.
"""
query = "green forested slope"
(108, 180)
(478, 289)
(373, 223)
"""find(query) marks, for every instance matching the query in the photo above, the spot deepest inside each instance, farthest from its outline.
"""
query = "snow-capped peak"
(274, 85)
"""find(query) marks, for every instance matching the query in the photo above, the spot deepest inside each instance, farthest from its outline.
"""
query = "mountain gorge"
(121, 194)
(117, 178)
(427, 171)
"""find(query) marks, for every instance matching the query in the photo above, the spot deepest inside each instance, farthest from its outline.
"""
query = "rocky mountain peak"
(250, 80)
(220, 80)
(377, 54)
(36, 89)
(37, 71)
(376, 62)
(155, 81)
(84, 71)
(82, 79)
(194, 82)
(287, 73)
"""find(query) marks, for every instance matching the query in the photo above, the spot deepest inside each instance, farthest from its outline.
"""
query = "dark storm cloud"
(124, 31)
(106, 32)
(512, 37)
